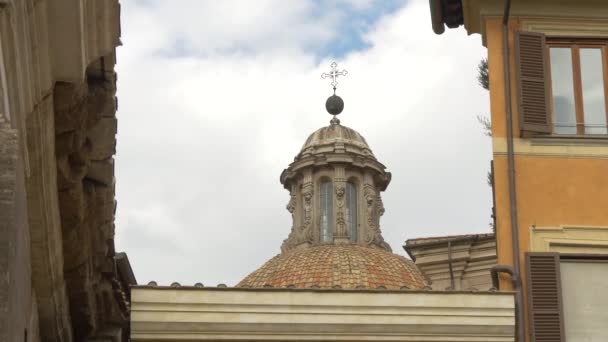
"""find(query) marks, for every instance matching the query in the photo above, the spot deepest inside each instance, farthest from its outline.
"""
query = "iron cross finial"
(334, 75)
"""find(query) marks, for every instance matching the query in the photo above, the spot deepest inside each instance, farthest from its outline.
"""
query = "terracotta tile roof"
(337, 266)
(437, 239)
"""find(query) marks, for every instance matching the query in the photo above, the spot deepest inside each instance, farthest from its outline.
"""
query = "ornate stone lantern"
(335, 183)
(335, 241)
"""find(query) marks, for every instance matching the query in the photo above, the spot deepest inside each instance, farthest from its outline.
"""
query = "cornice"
(569, 239)
(332, 158)
(538, 14)
(574, 147)
(289, 315)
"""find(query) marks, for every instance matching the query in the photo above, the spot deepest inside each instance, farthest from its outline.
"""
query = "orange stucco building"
(551, 167)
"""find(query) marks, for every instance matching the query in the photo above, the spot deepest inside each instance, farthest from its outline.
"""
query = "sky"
(217, 97)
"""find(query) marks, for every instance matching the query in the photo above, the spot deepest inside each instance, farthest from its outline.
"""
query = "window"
(351, 211)
(567, 296)
(584, 285)
(562, 85)
(326, 206)
(579, 84)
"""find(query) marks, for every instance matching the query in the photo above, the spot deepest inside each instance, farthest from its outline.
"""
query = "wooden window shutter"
(533, 92)
(544, 297)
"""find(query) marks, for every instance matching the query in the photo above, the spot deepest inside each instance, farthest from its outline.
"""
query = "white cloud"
(203, 137)
(214, 28)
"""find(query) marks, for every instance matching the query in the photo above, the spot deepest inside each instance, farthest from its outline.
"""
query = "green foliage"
(482, 74)
(490, 180)
(483, 78)
(486, 123)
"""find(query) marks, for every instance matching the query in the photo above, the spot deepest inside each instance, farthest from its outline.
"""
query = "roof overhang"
(472, 13)
(446, 13)
(429, 242)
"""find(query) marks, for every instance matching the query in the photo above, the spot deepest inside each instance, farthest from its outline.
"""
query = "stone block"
(103, 138)
(72, 207)
(101, 171)
(76, 246)
(70, 106)
(101, 101)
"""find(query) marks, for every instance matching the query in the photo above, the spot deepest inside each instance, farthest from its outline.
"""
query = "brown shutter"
(533, 93)
(544, 297)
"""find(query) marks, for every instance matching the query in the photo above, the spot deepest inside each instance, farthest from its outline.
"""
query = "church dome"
(326, 138)
(333, 266)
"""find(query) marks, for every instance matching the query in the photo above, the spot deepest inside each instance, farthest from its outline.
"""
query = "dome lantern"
(335, 184)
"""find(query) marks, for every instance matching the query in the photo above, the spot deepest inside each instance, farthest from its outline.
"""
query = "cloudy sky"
(217, 97)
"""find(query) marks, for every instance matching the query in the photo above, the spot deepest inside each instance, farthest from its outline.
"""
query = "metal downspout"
(515, 277)
(452, 283)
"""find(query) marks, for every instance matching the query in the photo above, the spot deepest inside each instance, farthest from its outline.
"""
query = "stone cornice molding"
(94, 31)
(569, 239)
(326, 159)
(572, 28)
(214, 314)
(573, 147)
(583, 13)
(472, 258)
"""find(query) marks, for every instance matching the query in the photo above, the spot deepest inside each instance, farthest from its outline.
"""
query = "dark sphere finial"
(334, 105)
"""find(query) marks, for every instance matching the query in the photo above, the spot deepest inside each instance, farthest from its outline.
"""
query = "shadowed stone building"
(60, 278)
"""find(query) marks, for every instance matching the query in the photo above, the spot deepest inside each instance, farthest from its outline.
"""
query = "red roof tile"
(327, 266)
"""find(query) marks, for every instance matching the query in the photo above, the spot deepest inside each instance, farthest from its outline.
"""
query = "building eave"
(446, 13)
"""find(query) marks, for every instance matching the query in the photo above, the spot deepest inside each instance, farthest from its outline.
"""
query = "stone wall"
(85, 128)
(18, 310)
(58, 271)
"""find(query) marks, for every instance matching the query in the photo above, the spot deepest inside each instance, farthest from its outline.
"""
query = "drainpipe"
(515, 274)
(499, 269)
(452, 283)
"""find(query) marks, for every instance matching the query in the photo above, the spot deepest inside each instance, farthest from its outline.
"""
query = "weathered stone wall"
(57, 270)
(85, 128)
(18, 311)
(45, 226)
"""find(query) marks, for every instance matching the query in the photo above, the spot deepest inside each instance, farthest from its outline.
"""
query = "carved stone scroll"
(299, 234)
(374, 209)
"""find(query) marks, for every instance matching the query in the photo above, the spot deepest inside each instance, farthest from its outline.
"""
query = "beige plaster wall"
(179, 314)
